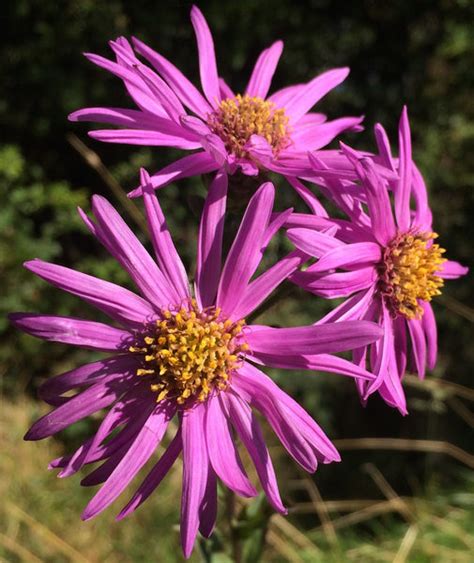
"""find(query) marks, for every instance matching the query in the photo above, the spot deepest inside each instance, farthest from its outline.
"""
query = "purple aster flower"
(384, 256)
(247, 132)
(189, 357)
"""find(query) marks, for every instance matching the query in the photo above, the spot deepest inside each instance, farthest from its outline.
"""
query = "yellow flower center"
(189, 353)
(237, 119)
(408, 273)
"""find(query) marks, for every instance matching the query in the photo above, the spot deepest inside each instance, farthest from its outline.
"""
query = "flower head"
(249, 132)
(187, 357)
(384, 256)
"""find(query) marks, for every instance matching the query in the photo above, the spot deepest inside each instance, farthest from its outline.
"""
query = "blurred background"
(404, 490)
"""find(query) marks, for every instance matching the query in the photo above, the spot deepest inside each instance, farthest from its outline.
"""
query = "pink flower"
(224, 131)
(384, 256)
(189, 357)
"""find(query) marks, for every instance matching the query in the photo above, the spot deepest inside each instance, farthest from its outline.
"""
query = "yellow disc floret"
(237, 119)
(408, 273)
(188, 353)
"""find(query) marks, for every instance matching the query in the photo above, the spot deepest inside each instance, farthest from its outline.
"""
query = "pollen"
(189, 353)
(408, 273)
(237, 119)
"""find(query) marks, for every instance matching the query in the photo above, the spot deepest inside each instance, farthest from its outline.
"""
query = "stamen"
(408, 273)
(237, 119)
(189, 353)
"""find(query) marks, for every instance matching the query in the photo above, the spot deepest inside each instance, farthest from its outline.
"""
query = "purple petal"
(191, 165)
(418, 342)
(93, 399)
(225, 89)
(252, 379)
(207, 57)
(223, 454)
(211, 229)
(69, 330)
(185, 90)
(311, 93)
(140, 400)
(259, 289)
(317, 137)
(154, 477)
(428, 323)
(281, 97)
(314, 362)
(314, 243)
(349, 256)
(352, 309)
(120, 241)
(249, 431)
(378, 200)
(340, 284)
(119, 303)
(264, 69)
(208, 508)
(383, 145)
(133, 119)
(402, 193)
(288, 434)
(133, 460)
(451, 270)
(314, 339)
(195, 472)
(245, 253)
(400, 335)
(143, 137)
(307, 196)
(166, 254)
(88, 374)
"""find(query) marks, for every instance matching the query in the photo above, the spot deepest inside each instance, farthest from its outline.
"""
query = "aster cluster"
(186, 359)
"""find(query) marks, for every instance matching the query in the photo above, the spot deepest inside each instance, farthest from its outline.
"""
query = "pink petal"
(133, 460)
(351, 309)
(244, 255)
(195, 472)
(339, 284)
(255, 384)
(250, 433)
(312, 242)
(69, 330)
(191, 165)
(312, 92)
(313, 339)
(308, 197)
(223, 453)
(93, 399)
(378, 201)
(86, 375)
(143, 137)
(187, 92)
(121, 242)
(211, 229)
(166, 254)
(207, 57)
(418, 342)
(154, 477)
(451, 270)
(349, 256)
(319, 136)
(264, 69)
(117, 302)
(403, 191)
(428, 323)
(259, 289)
